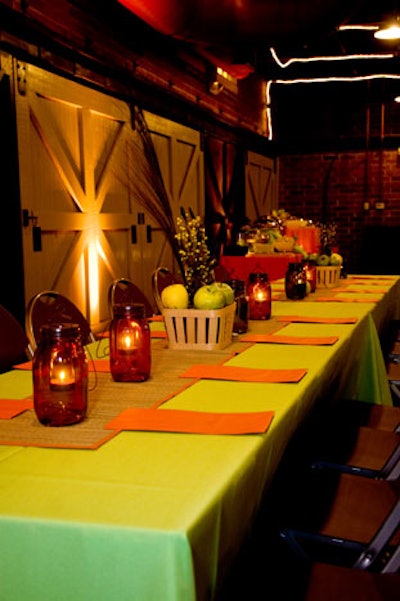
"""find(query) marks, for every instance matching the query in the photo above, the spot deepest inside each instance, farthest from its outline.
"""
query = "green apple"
(175, 296)
(323, 260)
(313, 257)
(209, 297)
(226, 291)
(336, 259)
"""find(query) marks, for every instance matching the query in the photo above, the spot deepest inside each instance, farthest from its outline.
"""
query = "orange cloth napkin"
(156, 318)
(100, 365)
(368, 280)
(195, 422)
(277, 339)
(360, 299)
(158, 334)
(9, 408)
(306, 319)
(373, 290)
(153, 334)
(243, 374)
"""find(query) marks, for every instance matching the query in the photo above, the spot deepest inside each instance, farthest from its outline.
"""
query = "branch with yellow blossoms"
(196, 259)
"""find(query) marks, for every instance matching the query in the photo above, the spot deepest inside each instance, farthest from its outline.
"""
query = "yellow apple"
(336, 259)
(175, 296)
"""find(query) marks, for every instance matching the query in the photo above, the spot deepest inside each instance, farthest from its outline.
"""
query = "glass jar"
(311, 272)
(296, 281)
(259, 295)
(241, 320)
(60, 376)
(130, 353)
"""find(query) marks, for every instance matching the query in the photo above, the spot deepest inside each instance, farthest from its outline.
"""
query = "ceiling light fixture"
(390, 32)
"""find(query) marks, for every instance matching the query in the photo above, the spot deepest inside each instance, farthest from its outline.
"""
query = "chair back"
(385, 542)
(123, 291)
(160, 279)
(13, 341)
(50, 307)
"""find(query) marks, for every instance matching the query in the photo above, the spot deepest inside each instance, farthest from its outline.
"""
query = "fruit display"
(208, 297)
(197, 291)
(325, 260)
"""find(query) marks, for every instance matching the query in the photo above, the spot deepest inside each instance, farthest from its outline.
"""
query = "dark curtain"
(224, 193)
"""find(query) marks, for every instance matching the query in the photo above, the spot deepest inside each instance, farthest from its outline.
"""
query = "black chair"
(326, 582)
(355, 437)
(124, 291)
(14, 345)
(161, 278)
(51, 307)
(344, 520)
(368, 452)
(359, 413)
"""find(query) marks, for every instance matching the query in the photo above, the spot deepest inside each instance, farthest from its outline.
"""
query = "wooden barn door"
(261, 186)
(82, 228)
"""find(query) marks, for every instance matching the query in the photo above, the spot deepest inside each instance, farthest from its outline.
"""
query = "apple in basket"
(226, 290)
(336, 259)
(209, 297)
(323, 260)
(175, 296)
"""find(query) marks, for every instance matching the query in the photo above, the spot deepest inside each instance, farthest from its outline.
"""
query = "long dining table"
(153, 494)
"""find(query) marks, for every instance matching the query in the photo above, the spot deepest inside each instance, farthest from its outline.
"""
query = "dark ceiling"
(242, 33)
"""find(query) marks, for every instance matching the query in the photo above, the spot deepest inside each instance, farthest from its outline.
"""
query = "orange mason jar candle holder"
(130, 353)
(60, 376)
(259, 295)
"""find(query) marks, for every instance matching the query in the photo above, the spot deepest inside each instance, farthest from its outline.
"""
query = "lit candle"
(128, 339)
(62, 376)
(260, 295)
(130, 354)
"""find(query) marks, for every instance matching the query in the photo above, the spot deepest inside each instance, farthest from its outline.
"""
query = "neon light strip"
(314, 59)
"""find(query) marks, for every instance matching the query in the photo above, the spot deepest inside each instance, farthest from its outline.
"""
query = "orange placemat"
(9, 408)
(309, 319)
(374, 290)
(95, 365)
(360, 299)
(277, 339)
(243, 374)
(191, 422)
(369, 279)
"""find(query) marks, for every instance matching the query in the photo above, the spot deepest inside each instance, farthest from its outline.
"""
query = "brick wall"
(348, 189)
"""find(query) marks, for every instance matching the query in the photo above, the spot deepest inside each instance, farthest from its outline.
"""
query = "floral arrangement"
(328, 238)
(186, 235)
(195, 256)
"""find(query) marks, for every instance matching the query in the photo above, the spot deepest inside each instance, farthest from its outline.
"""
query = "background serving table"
(274, 264)
(151, 515)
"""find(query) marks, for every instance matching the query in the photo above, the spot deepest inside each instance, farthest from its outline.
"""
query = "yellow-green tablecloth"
(160, 515)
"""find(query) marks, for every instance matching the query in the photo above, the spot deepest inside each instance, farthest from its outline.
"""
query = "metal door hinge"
(21, 78)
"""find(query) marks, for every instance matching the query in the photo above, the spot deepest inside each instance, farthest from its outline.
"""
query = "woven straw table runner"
(107, 399)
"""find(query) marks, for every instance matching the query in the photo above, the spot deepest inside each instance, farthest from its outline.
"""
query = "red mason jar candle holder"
(259, 295)
(60, 376)
(130, 352)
